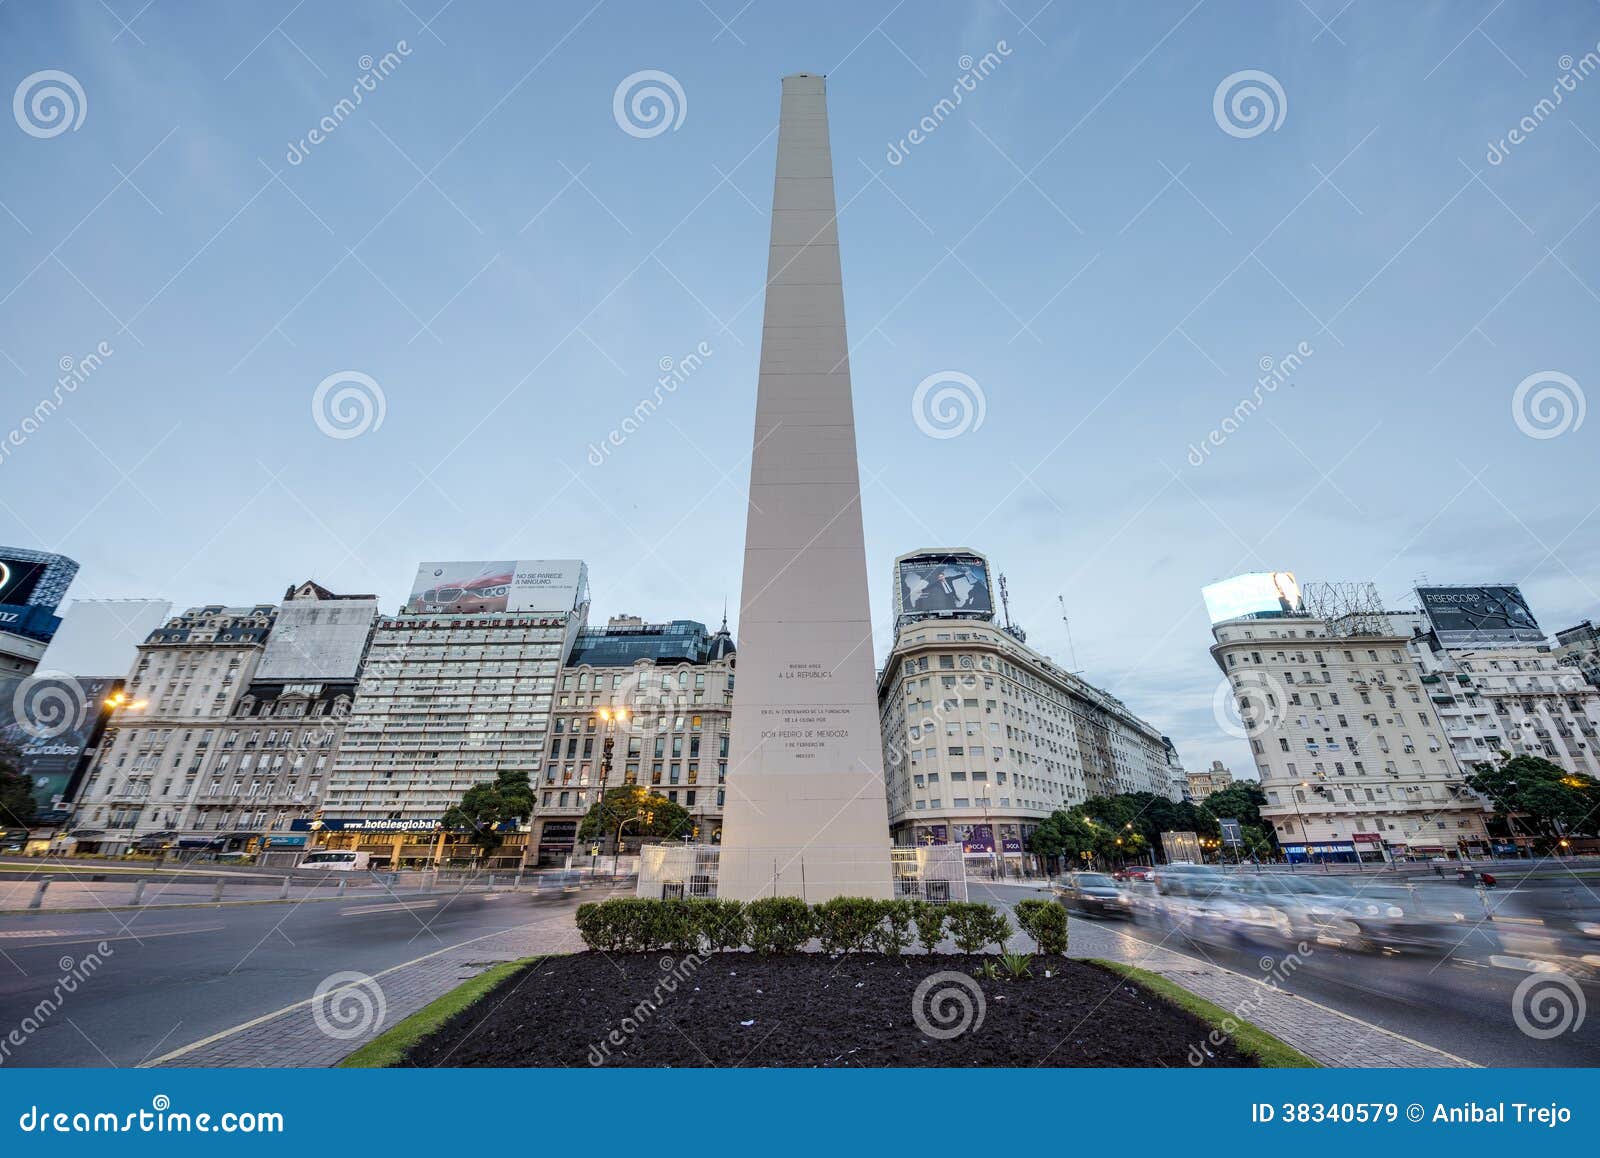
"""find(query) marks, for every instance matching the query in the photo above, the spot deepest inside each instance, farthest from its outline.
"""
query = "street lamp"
(616, 852)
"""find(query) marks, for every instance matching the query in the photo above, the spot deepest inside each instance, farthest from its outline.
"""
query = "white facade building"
(1352, 753)
(984, 737)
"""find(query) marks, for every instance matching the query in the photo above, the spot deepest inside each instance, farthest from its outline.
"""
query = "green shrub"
(677, 925)
(779, 924)
(893, 934)
(722, 923)
(622, 925)
(844, 924)
(930, 920)
(974, 925)
(1017, 965)
(1046, 923)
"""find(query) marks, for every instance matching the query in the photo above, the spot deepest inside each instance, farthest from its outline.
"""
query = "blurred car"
(1134, 872)
(1091, 894)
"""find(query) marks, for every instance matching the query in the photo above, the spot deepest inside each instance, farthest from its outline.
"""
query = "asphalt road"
(179, 976)
(1462, 1005)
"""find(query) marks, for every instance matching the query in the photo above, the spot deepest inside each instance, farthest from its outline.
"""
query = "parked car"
(1091, 894)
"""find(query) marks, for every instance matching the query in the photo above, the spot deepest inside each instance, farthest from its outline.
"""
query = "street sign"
(1232, 832)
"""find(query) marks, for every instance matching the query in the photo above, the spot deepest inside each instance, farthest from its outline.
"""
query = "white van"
(337, 862)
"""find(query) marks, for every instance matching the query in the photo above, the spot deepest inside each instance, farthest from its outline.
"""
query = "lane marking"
(388, 907)
(83, 938)
(266, 1017)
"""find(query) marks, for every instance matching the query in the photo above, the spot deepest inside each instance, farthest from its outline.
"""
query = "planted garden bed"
(718, 984)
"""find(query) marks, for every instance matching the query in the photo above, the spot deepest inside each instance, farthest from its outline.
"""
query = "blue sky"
(1081, 237)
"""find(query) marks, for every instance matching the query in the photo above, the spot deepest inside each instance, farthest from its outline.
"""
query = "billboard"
(318, 639)
(101, 637)
(466, 588)
(1255, 593)
(951, 584)
(52, 719)
(34, 578)
(1480, 616)
(18, 578)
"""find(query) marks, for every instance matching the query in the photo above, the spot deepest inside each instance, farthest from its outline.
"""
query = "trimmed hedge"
(1046, 923)
(786, 924)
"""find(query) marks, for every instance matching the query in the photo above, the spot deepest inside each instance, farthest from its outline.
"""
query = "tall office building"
(805, 812)
(456, 689)
(31, 586)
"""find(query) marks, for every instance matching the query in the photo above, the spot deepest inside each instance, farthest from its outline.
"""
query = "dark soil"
(807, 1009)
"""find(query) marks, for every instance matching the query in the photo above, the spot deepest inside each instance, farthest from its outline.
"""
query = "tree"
(1242, 801)
(1062, 834)
(485, 807)
(17, 807)
(1541, 795)
(646, 813)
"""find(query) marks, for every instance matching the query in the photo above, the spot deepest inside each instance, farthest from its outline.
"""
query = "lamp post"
(1295, 798)
(616, 851)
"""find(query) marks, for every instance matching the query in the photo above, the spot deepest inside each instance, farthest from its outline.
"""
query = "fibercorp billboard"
(1479, 616)
(954, 583)
(1269, 592)
(553, 586)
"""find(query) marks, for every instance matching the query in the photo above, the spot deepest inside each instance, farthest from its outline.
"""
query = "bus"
(336, 861)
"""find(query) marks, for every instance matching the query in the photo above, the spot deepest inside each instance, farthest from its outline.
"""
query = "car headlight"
(1394, 911)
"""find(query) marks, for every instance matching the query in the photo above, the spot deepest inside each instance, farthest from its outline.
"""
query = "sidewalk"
(1323, 1034)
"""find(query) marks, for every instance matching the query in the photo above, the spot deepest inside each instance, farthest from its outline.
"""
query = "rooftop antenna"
(1072, 651)
(724, 613)
(1005, 602)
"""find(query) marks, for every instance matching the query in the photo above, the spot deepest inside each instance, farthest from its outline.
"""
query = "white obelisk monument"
(805, 811)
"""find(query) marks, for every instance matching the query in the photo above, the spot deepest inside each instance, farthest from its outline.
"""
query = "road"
(1462, 1005)
(179, 976)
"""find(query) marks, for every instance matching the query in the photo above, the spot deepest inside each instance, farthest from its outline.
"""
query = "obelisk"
(805, 811)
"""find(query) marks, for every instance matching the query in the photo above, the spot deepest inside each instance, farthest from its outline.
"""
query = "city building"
(457, 688)
(1177, 779)
(157, 754)
(638, 703)
(31, 586)
(1351, 751)
(1213, 779)
(1579, 647)
(983, 736)
(1497, 685)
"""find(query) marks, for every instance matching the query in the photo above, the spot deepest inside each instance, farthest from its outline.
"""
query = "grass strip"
(389, 1047)
(1268, 1051)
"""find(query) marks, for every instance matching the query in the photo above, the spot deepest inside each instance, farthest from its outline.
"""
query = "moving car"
(1091, 894)
(335, 861)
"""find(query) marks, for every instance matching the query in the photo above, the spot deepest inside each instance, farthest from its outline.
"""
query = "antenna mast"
(1067, 623)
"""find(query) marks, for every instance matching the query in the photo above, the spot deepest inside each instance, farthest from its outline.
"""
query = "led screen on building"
(1253, 594)
(18, 578)
(464, 588)
(1480, 616)
(944, 584)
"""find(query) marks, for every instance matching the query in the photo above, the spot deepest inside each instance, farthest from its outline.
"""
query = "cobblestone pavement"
(1323, 1034)
(322, 1031)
